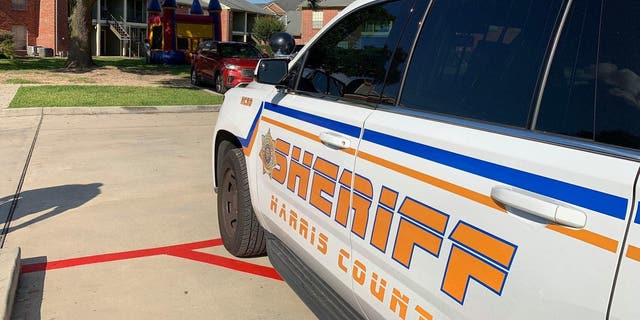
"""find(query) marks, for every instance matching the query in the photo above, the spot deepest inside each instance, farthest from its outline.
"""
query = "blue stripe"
(343, 128)
(245, 141)
(608, 204)
(638, 214)
(605, 203)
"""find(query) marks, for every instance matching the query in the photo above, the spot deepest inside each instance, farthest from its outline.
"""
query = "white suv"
(445, 159)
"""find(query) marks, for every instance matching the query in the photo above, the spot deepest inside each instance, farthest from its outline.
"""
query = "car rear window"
(593, 88)
(238, 50)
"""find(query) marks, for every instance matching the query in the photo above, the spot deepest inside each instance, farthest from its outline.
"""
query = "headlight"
(231, 66)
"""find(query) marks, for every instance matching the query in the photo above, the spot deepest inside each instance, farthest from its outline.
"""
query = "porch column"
(125, 43)
(98, 28)
(246, 23)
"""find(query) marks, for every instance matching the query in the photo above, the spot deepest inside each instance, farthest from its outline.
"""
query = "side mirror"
(272, 71)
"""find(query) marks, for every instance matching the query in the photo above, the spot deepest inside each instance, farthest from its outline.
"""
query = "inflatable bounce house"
(173, 37)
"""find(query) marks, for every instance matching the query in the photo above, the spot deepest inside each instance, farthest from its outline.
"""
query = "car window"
(481, 59)
(593, 88)
(398, 64)
(239, 50)
(349, 60)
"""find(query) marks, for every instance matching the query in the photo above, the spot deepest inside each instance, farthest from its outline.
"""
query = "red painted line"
(229, 263)
(51, 265)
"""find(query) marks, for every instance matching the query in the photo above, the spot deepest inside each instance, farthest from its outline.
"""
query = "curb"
(9, 273)
(106, 110)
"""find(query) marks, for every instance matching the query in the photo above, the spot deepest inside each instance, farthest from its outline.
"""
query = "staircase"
(117, 26)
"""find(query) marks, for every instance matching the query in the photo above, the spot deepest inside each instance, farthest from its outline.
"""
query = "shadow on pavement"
(54, 199)
(28, 300)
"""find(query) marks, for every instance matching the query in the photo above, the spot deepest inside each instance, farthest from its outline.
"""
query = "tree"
(79, 31)
(265, 26)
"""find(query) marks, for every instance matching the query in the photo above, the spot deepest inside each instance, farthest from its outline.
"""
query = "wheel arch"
(224, 140)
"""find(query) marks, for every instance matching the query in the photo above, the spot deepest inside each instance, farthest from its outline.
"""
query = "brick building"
(119, 26)
(36, 23)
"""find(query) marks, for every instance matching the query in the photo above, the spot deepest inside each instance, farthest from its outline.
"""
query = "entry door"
(490, 202)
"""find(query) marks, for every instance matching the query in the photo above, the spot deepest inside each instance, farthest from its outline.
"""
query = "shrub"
(7, 46)
(264, 27)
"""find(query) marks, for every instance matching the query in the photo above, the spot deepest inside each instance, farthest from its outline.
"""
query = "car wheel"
(195, 79)
(220, 88)
(241, 232)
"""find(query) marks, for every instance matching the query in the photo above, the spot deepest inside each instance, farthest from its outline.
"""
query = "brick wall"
(27, 18)
(46, 33)
(39, 19)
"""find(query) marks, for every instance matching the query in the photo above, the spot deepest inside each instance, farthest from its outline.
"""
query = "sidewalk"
(7, 92)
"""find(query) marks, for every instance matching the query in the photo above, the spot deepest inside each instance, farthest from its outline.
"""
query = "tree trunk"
(79, 38)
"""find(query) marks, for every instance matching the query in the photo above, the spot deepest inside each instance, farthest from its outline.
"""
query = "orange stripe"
(247, 150)
(292, 129)
(633, 253)
(456, 189)
(587, 236)
(301, 132)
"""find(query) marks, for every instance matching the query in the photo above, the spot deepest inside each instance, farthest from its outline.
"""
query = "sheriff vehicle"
(445, 159)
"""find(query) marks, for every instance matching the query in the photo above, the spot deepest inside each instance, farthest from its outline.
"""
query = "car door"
(482, 209)
(307, 139)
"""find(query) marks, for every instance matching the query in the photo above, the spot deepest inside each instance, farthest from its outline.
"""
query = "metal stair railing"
(117, 27)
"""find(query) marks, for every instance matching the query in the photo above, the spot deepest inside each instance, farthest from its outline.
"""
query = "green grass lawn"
(135, 65)
(98, 96)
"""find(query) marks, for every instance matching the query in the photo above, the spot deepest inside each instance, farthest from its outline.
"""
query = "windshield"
(239, 50)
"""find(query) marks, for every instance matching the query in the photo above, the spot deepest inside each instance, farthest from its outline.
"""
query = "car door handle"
(539, 207)
(335, 140)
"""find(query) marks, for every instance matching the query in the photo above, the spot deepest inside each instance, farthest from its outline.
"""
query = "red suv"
(226, 64)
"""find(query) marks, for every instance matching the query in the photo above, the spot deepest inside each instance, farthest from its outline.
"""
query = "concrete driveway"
(116, 219)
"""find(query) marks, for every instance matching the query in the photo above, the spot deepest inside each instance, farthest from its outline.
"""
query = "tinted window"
(398, 63)
(593, 89)
(481, 59)
(239, 50)
(352, 57)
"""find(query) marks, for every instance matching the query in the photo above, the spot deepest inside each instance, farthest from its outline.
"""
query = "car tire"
(220, 87)
(195, 79)
(240, 230)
